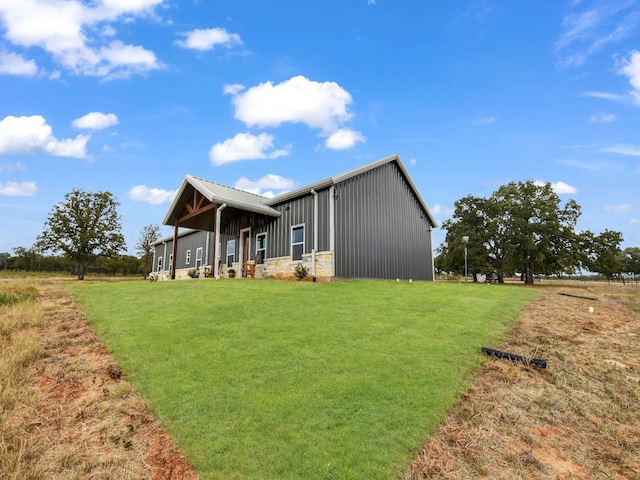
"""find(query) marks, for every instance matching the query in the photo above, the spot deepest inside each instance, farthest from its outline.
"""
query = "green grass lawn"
(283, 380)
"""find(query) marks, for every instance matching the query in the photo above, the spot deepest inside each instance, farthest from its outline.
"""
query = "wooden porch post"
(175, 252)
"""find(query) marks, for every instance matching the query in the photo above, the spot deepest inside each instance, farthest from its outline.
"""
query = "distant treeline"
(27, 260)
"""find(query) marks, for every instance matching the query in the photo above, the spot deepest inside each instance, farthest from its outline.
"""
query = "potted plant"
(232, 273)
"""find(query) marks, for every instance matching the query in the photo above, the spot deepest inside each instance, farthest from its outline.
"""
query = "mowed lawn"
(258, 379)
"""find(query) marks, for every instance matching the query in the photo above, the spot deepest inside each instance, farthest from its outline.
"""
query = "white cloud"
(624, 208)
(18, 189)
(14, 64)
(590, 166)
(623, 149)
(95, 121)
(612, 97)
(587, 32)
(245, 146)
(28, 135)
(602, 117)
(208, 39)
(11, 167)
(438, 209)
(297, 100)
(559, 187)
(412, 162)
(153, 196)
(631, 68)
(72, 32)
(232, 89)
(265, 185)
(343, 138)
(485, 121)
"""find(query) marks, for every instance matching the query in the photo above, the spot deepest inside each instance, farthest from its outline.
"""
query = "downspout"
(433, 267)
(216, 262)
(332, 232)
(315, 234)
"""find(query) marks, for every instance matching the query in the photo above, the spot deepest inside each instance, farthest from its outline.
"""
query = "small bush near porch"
(263, 380)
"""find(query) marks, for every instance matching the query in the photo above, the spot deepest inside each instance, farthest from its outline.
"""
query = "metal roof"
(350, 174)
(218, 194)
(235, 198)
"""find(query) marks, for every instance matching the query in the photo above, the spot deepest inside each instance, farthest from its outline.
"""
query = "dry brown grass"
(577, 419)
(67, 411)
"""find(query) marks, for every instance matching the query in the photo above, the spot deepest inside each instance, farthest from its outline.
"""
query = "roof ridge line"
(262, 197)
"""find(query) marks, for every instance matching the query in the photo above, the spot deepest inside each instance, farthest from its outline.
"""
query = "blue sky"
(128, 96)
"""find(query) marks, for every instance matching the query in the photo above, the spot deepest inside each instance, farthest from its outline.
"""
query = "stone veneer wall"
(277, 268)
(283, 267)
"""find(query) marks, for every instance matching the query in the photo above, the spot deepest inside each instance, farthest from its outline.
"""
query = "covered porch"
(233, 217)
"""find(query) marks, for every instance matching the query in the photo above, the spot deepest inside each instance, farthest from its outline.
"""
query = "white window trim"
(198, 257)
(231, 242)
(187, 259)
(264, 250)
(159, 264)
(304, 234)
(170, 260)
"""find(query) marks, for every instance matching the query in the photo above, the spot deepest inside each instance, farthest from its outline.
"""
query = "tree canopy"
(149, 234)
(85, 225)
(522, 227)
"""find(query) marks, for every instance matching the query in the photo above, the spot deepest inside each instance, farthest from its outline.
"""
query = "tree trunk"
(528, 274)
(81, 267)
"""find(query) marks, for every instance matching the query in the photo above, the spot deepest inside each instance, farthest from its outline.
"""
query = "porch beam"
(194, 213)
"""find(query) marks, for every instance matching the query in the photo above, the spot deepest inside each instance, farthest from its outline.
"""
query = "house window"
(187, 260)
(170, 261)
(159, 264)
(297, 242)
(231, 252)
(261, 248)
(198, 257)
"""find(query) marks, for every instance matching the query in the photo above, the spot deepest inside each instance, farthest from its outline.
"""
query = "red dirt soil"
(94, 423)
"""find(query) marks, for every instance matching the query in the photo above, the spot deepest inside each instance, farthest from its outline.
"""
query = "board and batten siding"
(299, 211)
(381, 230)
(189, 241)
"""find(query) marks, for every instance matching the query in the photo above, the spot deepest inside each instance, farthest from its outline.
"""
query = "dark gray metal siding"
(191, 241)
(299, 211)
(381, 229)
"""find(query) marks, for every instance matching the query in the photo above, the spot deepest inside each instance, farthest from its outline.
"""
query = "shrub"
(194, 273)
(301, 271)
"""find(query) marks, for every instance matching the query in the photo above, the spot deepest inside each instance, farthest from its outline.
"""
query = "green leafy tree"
(4, 260)
(538, 230)
(148, 236)
(521, 226)
(83, 226)
(602, 253)
(473, 217)
(631, 262)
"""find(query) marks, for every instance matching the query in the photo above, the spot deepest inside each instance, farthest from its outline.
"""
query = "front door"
(245, 241)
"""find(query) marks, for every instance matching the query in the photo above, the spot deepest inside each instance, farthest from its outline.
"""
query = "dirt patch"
(576, 419)
(88, 421)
